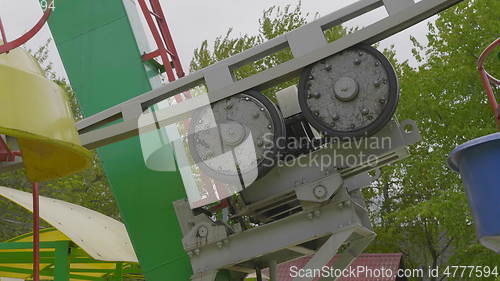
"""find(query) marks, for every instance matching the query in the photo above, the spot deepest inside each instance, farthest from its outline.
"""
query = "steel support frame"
(219, 77)
(285, 178)
(359, 239)
(342, 219)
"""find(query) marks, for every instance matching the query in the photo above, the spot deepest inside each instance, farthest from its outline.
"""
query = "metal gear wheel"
(243, 130)
(350, 94)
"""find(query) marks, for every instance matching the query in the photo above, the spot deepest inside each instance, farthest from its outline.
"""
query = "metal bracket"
(310, 33)
(321, 190)
(395, 6)
(198, 230)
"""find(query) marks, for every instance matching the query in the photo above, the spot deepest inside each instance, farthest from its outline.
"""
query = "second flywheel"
(350, 94)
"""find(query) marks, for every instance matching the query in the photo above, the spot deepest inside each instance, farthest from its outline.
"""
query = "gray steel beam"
(268, 239)
(219, 79)
(359, 239)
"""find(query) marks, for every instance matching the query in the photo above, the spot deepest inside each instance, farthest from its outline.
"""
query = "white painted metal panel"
(102, 237)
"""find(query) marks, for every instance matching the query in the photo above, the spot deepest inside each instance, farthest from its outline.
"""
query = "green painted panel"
(101, 66)
(61, 271)
(81, 17)
(97, 46)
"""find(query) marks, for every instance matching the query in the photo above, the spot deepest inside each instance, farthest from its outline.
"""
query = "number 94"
(47, 4)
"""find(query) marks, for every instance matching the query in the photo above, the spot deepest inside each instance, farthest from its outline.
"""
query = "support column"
(100, 53)
(118, 276)
(273, 272)
(61, 265)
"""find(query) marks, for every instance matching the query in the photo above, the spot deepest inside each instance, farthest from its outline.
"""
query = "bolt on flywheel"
(350, 94)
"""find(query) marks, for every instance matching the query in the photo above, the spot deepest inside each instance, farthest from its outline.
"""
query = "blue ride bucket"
(478, 162)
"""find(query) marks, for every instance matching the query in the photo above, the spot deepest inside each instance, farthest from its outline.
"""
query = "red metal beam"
(2, 30)
(167, 37)
(150, 56)
(8, 46)
(487, 79)
(7, 155)
(158, 40)
(161, 34)
(36, 232)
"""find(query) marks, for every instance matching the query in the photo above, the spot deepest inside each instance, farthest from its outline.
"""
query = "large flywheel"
(350, 94)
(236, 137)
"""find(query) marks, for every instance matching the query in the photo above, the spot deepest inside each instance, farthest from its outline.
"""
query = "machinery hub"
(232, 133)
(346, 89)
(240, 131)
(350, 94)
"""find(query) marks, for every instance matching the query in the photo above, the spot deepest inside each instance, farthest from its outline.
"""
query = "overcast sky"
(192, 21)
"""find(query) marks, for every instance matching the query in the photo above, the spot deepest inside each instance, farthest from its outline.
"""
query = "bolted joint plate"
(203, 234)
(321, 190)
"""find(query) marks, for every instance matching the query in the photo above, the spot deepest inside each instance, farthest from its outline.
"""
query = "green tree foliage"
(88, 188)
(421, 208)
(418, 206)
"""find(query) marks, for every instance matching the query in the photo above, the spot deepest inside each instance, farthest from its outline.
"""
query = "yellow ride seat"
(36, 111)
